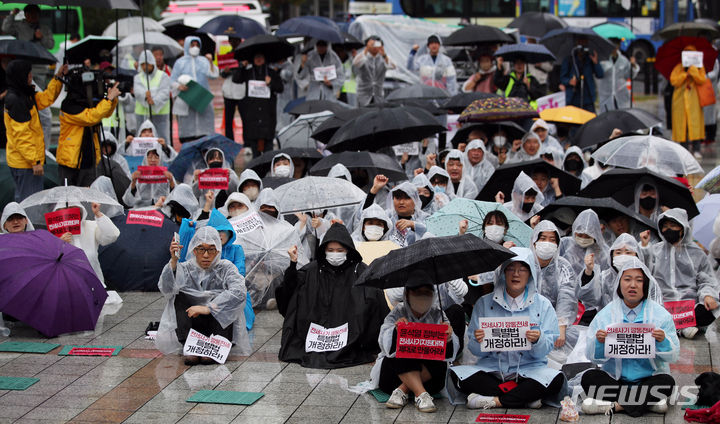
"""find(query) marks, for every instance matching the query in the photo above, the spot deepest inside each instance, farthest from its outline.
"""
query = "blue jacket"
(570, 69)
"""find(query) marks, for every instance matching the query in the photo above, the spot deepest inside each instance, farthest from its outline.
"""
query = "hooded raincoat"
(167, 155)
(370, 76)
(613, 91)
(584, 177)
(408, 236)
(466, 188)
(219, 287)
(441, 195)
(192, 123)
(508, 365)
(277, 157)
(483, 170)
(147, 194)
(631, 370)
(325, 295)
(346, 213)
(549, 141)
(587, 222)
(688, 123)
(437, 200)
(220, 195)
(116, 153)
(13, 208)
(523, 184)
(523, 156)
(435, 71)
(250, 175)
(317, 90)
(373, 211)
(181, 196)
(656, 210)
(159, 91)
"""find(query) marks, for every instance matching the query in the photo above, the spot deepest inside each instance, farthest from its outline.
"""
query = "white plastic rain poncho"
(408, 236)
(604, 281)
(439, 193)
(483, 170)
(584, 178)
(715, 243)
(370, 76)
(710, 111)
(286, 71)
(232, 185)
(657, 210)
(267, 197)
(220, 286)
(346, 213)
(437, 201)
(13, 208)
(183, 195)
(159, 91)
(93, 234)
(467, 187)
(433, 316)
(273, 173)
(587, 222)
(192, 123)
(684, 272)
(521, 155)
(117, 156)
(612, 89)
(373, 211)
(147, 194)
(667, 352)
(522, 185)
(104, 185)
(167, 154)
(549, 141)
(237, 198)
(528, 364)
(437, 71)
(250, 175)
(317, 90)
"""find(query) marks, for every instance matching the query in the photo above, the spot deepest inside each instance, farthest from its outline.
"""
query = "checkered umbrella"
(442, 258)
(497, 109)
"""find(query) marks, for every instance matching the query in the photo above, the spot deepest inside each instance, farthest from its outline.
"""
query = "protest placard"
(683, 313)
(505, 334)
(630, 340)
(213, 346)
(322, 72)
(151, 218)
(551, 101)
(152, 174)
(139, 146)
(258, 89)
(214, 179)
(245, 224)
(421, 341)
(412, 149)
(92, 351)
(502, 418)
(690, 58)
(227, 61)
(63, 221)
(321, 339)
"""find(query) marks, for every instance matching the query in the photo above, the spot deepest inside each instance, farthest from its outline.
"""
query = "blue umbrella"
(562, 42)
(709, 208)
(445, 222)
(233, 26)
(311, 26)
(194, 151)
(531, 53)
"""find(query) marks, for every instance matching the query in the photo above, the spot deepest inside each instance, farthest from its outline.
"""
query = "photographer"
(25, 152)
(576, 76)
(370, 66)
(78, 146)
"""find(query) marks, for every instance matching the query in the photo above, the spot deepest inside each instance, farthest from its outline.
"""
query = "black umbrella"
(417, 92)
(530, 53)
(620, 184)
(606, 208)
(89, 48)
(261, 164)
(460, 101)
(600, 128)
(536, 24)
(180, 31)
(315, 106)
(561, 42)
(477, 34)
(136, 259)
(384, 127)
(351, 42)
(233, 26)
(504, 177)
(275, 49)
(318, 27)
(426, 105)
(442, 258)
(275, 182)
(373, 163)
(32, 52)
(687, 29)
(119, 179)
(100, 4)
(513, 130)
(324, 132)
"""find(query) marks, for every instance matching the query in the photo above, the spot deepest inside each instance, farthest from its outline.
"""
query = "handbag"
(706, 93)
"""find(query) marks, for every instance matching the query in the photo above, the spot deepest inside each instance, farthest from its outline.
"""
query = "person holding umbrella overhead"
(576, 75)
(324, 69)
(517, 83)
(612, 87)
(434, 68)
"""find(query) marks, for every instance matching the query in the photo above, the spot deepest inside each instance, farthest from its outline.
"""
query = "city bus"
(645, 16)
(54, 18)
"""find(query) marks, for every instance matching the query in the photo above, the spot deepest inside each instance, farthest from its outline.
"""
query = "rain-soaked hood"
(587, 222)
(339, 171)
(149, 58)
(239, 198)
(188, 40)
(474, 144)
(411, 191)
(145, 125)
(577, 151)
(527, 257)
(267, 197)
(219, 222)
(654, 292)
(276, 158)
(523, 184)
(13, 208)
(436, 170)
(250, 175)
(340, 234)
(629, 242)
(214, 149)
(680, 216)
(374, 211)
(183, 195)
(545, 226)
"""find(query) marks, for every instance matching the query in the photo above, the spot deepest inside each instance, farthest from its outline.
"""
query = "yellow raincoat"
(688, 123)
(72, 128)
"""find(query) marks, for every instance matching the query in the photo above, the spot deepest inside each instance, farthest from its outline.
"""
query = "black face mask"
(215, 165)
(573, 165)
(425, 200)
(647, 203)
(527, 206)
(672, 236)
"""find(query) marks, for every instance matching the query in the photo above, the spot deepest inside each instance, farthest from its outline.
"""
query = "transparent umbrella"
(40, 203)
(170, 47)
(298, 132)
(132, 25)
(711, 181)
(646, 151)
(317, 193)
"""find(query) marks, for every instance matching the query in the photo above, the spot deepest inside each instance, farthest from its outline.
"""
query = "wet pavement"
(139, 385)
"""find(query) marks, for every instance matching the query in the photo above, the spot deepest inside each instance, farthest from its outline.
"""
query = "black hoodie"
(324, 294)
(20, 98)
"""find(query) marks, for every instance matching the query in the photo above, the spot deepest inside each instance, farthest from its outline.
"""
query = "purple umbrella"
(48, 284)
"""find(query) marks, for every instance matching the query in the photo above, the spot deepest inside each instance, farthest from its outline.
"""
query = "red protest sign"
(580, 312)
(91, 351)
(227, 61)
(63, 221)
(214, 179)
(421, 341)
(683, 313)
(152, 218)
(152, 174)
(502, 418)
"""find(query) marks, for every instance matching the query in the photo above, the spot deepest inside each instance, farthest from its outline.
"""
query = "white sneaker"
(660, 407)
(592, 406)
(397, 400)
(535, 405)
(476, 401)
(424, 403)
(689, 332)
(271, 304)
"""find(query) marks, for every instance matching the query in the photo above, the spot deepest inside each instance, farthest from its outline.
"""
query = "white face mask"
(545, 250)
(584, 242)
(251, 193)
(499, 140)
(495, 233)
(282, 171)
(335, 258)
(194, 51)
(620, 260)
(373, 232)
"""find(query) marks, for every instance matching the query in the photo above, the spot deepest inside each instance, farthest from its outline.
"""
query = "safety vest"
(510, 86)
(116, 117)
(350, 85)
(141, 109)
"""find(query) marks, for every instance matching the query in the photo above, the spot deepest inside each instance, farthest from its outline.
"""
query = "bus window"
(535, 6)
(55, 20)
(614, 8)
(431, 9)
(493, 8)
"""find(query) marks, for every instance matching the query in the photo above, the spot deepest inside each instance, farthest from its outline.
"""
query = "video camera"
(93, 85)
(584, 49)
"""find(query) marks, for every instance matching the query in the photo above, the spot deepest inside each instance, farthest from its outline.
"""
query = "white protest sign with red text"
(505, 334)
(630, 340)
(213, 346)
(321, 339)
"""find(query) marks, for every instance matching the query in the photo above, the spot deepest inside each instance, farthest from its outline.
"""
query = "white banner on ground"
(505, 334)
